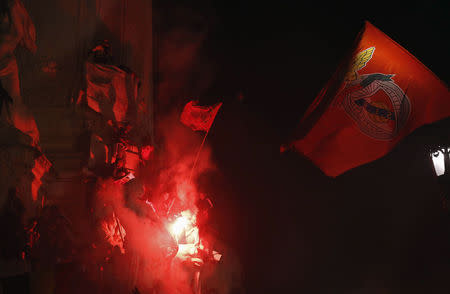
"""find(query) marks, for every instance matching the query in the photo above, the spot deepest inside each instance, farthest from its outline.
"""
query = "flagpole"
(203, 143)
(198, 154)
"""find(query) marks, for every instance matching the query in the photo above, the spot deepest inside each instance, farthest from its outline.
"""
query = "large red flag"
(380, 94)
(199, 118)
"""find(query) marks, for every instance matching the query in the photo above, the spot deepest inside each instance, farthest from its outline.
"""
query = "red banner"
(377, 97)
(199, 118)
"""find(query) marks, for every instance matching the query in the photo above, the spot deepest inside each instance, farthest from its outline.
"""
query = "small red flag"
(377, 97)
(199, 118)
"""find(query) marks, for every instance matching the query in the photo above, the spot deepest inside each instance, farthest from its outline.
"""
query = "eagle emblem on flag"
(374, 101)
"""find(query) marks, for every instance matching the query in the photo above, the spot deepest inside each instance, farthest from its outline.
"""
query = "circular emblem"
(377, 104)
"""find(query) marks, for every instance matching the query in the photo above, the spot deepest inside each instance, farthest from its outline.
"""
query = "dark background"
(380, 228)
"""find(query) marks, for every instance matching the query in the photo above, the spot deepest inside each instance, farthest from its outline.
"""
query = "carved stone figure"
(16, 28)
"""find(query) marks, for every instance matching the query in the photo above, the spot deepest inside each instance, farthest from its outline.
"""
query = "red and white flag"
(199, 118)
(379, 95)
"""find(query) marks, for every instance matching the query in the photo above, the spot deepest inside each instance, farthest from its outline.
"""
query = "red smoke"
(159, 213)
(159, 210)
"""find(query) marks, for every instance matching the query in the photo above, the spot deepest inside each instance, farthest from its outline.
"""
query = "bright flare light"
(183, 229)
(179, 225)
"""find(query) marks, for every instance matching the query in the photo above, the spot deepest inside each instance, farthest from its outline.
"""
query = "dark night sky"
(379, 228)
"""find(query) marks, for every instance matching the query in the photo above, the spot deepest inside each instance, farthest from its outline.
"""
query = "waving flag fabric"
(380, 94)
(199, 118)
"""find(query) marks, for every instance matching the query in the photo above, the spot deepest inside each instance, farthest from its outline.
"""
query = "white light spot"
(438, 162)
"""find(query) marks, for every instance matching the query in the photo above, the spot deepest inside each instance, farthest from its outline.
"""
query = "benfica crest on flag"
(380, 94)
(199, 118)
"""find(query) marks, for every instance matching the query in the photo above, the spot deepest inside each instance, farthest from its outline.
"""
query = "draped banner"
(111, 91)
